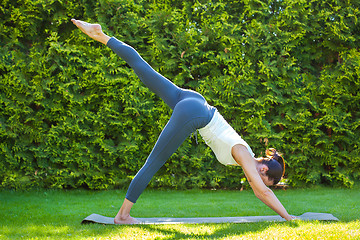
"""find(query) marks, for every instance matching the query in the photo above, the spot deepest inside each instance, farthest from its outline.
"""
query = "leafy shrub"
(285, 74)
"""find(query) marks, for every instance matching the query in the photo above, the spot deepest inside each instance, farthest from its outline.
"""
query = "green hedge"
(285, 74)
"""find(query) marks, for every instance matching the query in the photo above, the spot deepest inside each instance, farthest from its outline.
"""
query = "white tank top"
(221, 137)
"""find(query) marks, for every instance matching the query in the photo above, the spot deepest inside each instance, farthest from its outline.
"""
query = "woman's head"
(275, 165)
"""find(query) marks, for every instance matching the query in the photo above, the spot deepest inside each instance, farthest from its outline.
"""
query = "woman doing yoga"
(191, 112)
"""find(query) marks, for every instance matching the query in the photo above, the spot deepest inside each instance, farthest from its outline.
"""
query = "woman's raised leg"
(161, 86)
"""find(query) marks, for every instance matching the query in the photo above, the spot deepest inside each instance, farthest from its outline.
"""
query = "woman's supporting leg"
(188, 115)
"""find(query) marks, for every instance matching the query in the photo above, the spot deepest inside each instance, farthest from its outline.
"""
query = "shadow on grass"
(202, 231)
(216, 231)
(206, 231)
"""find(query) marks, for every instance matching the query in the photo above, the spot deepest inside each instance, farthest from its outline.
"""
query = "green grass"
(50, 214)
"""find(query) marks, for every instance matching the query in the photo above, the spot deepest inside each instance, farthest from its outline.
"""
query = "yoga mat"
(96, 218)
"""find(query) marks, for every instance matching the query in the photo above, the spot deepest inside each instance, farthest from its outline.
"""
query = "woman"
(190, 112)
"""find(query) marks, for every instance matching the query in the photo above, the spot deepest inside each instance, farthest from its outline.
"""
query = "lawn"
(56, 214)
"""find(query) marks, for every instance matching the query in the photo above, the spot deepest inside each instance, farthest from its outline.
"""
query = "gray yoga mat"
(96, 218)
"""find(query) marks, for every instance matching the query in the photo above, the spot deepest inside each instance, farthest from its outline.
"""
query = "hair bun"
(270, 152)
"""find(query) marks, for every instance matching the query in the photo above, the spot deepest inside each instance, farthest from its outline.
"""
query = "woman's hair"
(276, 164)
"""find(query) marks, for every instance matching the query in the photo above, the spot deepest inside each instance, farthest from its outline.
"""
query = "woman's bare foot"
(123, 216)
(125, 220)
(92, 30)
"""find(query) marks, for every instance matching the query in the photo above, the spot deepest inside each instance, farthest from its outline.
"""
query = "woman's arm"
(243, 157)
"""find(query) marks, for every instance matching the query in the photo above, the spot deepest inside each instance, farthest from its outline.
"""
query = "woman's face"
(266, 180)
(262, 170)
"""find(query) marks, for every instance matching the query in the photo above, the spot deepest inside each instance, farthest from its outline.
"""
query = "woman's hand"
(292, 217)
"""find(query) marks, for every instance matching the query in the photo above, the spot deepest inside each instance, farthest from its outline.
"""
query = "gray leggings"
(190, 112)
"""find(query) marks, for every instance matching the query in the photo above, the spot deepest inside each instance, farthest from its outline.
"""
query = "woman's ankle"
(121, 216)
